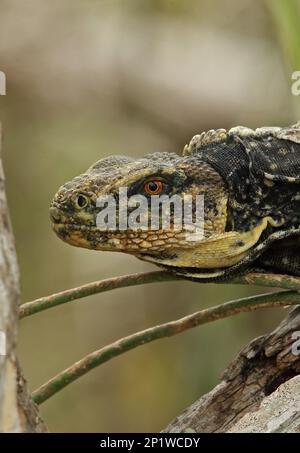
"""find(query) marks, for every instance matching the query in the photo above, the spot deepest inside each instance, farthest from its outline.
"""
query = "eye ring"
(153, 187)
(81, 201)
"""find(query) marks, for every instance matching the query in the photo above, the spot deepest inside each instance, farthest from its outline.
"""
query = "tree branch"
(100, 286)
(18, 413)
(168, 329)
(278, 412)
(257, 372)
(9, 298)
(97, 287)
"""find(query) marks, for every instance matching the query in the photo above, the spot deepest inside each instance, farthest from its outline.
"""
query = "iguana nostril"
(55, 214)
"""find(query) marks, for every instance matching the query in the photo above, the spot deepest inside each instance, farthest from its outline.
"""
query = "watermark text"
(2, 343)
(295, 87)
(2, 83)
(296, 344)
(159, 212)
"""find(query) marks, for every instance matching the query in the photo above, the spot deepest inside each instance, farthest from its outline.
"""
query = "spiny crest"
(291, 133)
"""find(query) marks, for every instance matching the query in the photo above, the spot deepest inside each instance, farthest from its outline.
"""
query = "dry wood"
(259, 369)
(18, 413)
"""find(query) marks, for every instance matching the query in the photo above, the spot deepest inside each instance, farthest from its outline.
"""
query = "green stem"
(100, 286)
(43, 303)
(168, 329)
(272, 280)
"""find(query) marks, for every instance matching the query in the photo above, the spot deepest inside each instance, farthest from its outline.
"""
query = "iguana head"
(249, 180)
(75, 211)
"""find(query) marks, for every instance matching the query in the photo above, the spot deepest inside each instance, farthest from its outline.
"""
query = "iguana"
(250, 180)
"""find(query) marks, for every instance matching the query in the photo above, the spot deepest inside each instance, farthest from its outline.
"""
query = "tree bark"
(18, 413)
(260, 390)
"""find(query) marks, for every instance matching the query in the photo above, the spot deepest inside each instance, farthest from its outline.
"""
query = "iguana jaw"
(221, 251)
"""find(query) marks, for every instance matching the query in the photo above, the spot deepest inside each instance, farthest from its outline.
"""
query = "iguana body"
(251, 186)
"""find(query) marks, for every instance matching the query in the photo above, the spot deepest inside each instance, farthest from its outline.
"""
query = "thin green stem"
(43, 303)
(271, 280)
(100, 286)
(168, 329)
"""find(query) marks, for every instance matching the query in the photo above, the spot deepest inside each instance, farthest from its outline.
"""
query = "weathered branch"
(28, 410)
(260, 368)
(18, 413)
(277, 413)
(168, 329)
(9, 299)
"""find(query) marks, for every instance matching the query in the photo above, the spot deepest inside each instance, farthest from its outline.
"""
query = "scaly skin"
(250, 203)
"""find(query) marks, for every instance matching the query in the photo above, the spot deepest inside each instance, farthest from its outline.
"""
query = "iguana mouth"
(86, 236)
(223, 251)
(74, 226)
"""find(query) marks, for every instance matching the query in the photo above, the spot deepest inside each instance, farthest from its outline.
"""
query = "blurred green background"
(90, 78)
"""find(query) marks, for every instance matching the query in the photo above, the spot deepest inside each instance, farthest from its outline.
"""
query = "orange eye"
(154, 187)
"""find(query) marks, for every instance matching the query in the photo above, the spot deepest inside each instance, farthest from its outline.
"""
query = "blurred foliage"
(86, 79)
(286, 14)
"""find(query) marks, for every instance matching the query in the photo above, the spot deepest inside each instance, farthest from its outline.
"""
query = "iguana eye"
(81, 201)
(154, 187)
